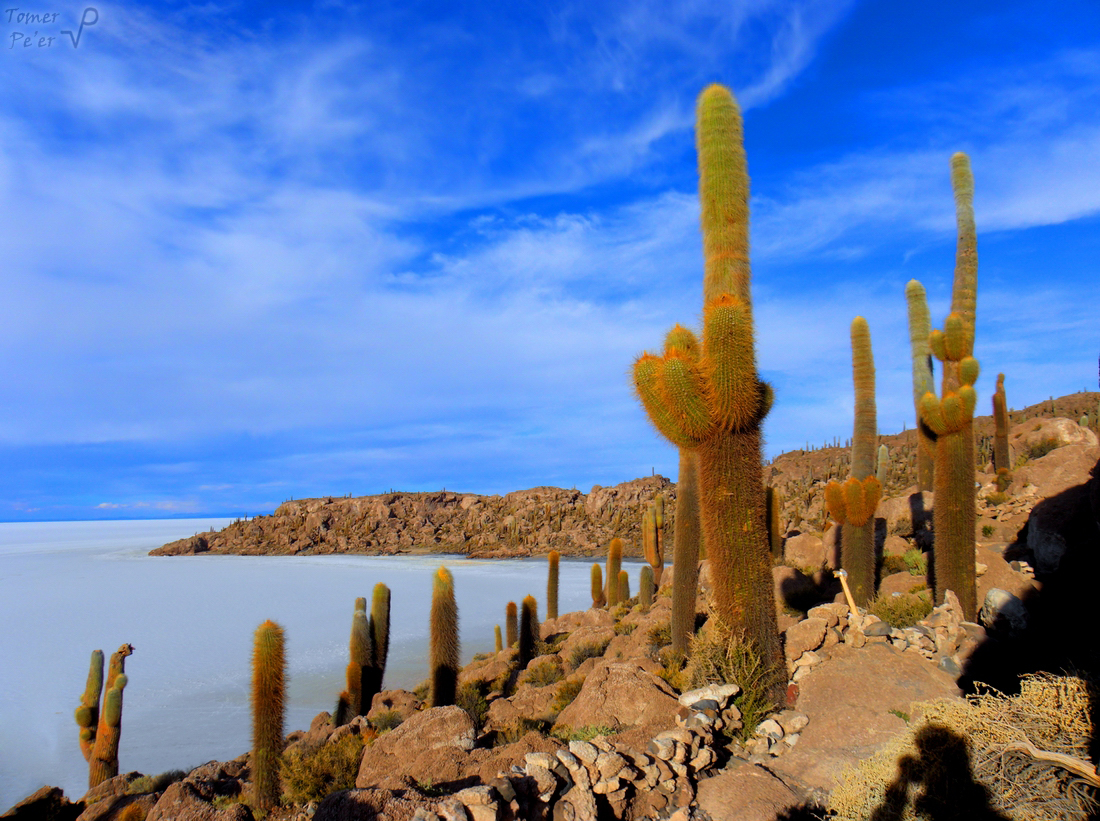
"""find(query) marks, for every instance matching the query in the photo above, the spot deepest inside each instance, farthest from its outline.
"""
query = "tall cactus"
(1001, 458)
(100, 728)
(528, 630)
(951, 416)
(685, 545)
(624, 586)
(920, 326)
(268, 712)
(614, 564)
(443, 640)
(552, 585)
(361, 653)
(598, 597)
(715, 404)
(853, 503)
(773, 502)
(380, 643)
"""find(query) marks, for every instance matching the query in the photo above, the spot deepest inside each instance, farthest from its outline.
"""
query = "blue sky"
(254, 252)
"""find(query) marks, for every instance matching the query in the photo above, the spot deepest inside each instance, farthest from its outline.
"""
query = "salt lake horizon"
(71, 587)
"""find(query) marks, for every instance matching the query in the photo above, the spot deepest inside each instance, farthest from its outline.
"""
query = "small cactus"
(624, 586)
(1001, 457)
(645, 588)
(614, 563)
(598, 597)
(268, 712)
(361, 652)
(528, 630)
(443, 648)
(511, 623)
(552, 585)
(497, 638)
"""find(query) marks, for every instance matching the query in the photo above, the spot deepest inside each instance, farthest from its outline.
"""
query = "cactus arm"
(380, 642)
(598, 598)
(87, 714)
(685, 552)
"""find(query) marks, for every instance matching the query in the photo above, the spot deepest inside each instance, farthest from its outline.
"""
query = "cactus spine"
(552, 585)
(853, 503)
(614, 564)
(1001, 457)
(920, 326)
(443, 640)
(528, 630)
(715, 404)
(268, 712)
(511, 623)
(951, 416)
(598, 598)
(685, 549)
(380, 643)
(361, 652)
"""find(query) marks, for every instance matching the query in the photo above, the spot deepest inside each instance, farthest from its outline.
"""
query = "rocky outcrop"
(522, 523)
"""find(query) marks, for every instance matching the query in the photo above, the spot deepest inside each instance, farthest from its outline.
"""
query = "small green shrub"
(471, 698)
(902, 609)
(626, 629)
(154, 783)
(310, 774)
(915, 562)
(713, 661)
(987, 530)
(567, 692)
(586, 733)
(423, 690)
(521, 728)
(589, 650)
(998, 498)
(1041, 448)
(386, 720)
(543, 673)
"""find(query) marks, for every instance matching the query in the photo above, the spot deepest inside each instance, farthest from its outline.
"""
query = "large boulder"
(804, 551)
(531, 703)
(368, 804)
(745, 792)
(1061, 432)
(45, 803)
(430, 746)
(620, 695)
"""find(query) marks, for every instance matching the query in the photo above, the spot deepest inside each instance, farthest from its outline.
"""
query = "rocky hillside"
(535, 521)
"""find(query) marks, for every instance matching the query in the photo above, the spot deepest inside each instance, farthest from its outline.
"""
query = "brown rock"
(368, 804)
(401, 702)
(45, 804)
(848, 700)
(620, 695)
(191, 801)
(804, 551)
(527, 703)
(808, 634)
(745, 793)
(441, 737)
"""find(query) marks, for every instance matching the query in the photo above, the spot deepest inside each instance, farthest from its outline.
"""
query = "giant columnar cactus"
(598, 597)
(614, 564)
(511, 623)
(685, 547)
(951, 415)
(528, 630)
(361, 653)
(1001, 458)
(380, 643)
(100, 729)
(920, 326)
(443, 640)
(853, 503)
(715, 404)
(552, 585)
(268, 712)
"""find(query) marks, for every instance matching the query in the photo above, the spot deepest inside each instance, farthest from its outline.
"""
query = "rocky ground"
(603, 726)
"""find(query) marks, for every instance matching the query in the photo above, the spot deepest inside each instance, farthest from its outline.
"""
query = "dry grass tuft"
(1027, 755)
